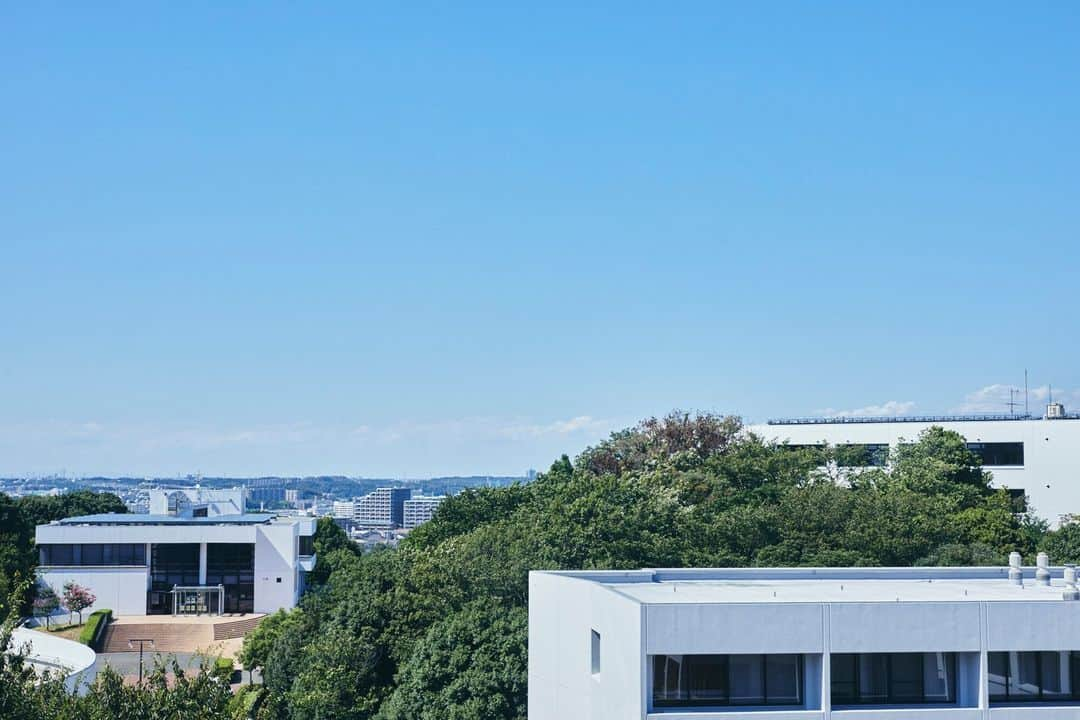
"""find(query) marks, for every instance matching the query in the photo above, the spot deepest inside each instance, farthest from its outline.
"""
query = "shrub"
(94, 628)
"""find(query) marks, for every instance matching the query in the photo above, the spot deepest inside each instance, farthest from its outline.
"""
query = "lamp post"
(141, 641)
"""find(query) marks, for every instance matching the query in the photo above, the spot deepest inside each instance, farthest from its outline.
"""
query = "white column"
(202, 563)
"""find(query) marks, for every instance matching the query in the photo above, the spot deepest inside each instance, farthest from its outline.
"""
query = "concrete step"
(166, 637)
(236, 628)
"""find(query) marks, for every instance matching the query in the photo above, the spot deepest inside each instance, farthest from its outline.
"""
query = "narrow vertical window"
(595, 652)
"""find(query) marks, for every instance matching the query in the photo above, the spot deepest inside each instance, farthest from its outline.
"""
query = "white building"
(195, 558)
(344, 509)
(804, 644)
(419, 509)
(384, 507)
(1037, 456)
(197, 501)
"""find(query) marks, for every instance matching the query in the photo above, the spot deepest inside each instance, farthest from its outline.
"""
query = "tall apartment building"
(805, 644)
(385, 507)
(419, 509)
(1027, 455)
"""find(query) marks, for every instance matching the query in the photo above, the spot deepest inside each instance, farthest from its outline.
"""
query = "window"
(1016, 677)
(595, 655)
(704, 680)
(999, 453)
(893, 678)
(865, 455)
(93, 554)
(307, 545)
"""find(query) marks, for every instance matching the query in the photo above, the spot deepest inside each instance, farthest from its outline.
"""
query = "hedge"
(94, 628)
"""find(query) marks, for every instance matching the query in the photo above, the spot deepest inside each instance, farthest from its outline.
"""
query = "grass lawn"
(71, 632)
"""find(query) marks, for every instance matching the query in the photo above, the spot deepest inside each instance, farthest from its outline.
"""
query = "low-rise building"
(1032, 456)
(805, 644)
(195, 558)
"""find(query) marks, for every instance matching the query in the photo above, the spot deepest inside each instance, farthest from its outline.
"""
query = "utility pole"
(141, 641)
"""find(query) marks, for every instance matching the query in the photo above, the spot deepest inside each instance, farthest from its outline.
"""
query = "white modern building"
(198, 557)
(383, 507)
(1037, 456)
(419, 509)
(805, 644)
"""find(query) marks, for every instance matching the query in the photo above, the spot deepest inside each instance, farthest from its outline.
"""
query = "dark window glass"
(92, 555)
(893, 678)
(862, 455)
(999, 453)
(1017, 677)
(307, 545)
(706, 680)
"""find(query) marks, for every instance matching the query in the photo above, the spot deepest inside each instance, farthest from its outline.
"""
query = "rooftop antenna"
(1012, 401)
(1026, 411)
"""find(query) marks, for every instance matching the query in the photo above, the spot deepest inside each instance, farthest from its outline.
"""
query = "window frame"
(890, 697)
(1005, 698)
(686, 663)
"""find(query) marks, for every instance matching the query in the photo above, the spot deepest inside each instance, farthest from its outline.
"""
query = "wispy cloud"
(995, 398)
(889, 408)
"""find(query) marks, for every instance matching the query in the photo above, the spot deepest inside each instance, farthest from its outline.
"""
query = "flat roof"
(887, 419)
(146, 519)
(824, 585)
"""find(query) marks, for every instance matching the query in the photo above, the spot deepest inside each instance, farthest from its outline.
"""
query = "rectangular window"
(708, 680)
(1017, 677)
(893, 678)
(595, 654)
(307, 545)
(999, 454)
(862, 455)
(93, 554)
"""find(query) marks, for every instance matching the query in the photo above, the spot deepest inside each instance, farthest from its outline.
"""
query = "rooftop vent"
(1016, 574)
(1071, 592)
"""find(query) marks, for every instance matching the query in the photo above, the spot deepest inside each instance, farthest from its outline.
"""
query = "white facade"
(279, 548)
(1049, 472)
(75, 662)
(688, 645)
(344, 509)
(189, 501)
(419, 509)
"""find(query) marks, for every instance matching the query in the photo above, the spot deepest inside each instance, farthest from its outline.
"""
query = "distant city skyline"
(403, 242)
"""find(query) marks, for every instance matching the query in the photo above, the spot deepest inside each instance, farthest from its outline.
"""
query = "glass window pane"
(1056, 682)
(1023, 675)
(782, 679)
(747, 680)
(999, 674)
(905, 684)
(938, 671)
(707, 677)
(873, 678)
(842, 671)
(667, 678)
(91, 555)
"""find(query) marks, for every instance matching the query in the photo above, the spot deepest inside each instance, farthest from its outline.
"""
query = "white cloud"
(889, 408)
(995, 399)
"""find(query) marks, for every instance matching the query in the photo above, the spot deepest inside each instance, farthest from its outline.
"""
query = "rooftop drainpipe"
(1016, 575)
(1071, 592)
(1042, 571)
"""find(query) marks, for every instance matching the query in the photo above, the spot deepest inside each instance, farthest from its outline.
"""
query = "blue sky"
(270, 238)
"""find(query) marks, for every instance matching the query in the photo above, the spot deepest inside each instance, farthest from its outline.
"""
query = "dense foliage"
(436, 628)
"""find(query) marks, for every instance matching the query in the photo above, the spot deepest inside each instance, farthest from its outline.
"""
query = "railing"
(845, 420)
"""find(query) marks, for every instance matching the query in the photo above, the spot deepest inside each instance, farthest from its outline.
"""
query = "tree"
(77, 598)
(45, 603)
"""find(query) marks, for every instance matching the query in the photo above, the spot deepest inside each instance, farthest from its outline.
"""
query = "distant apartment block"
(1027, 455)
(806, 644)
(419, 509)
(344, 509)
(385, 507)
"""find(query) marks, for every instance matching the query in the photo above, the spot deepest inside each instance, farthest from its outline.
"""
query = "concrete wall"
(563, 613)
(120, 589)
(276, 574)
(76, 662)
